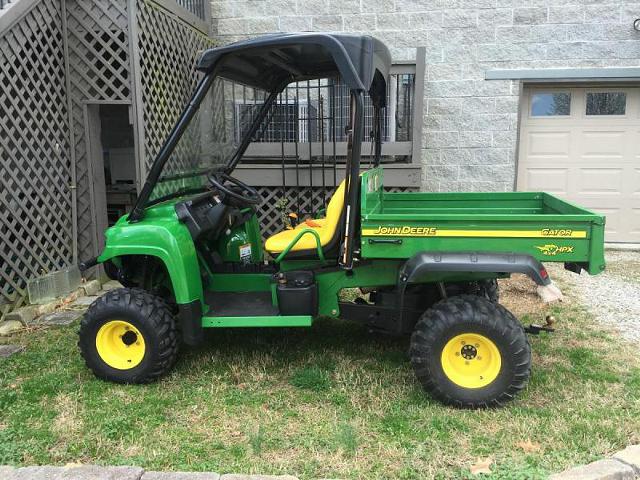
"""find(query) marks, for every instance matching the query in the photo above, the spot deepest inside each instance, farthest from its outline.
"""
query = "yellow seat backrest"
(326, 229)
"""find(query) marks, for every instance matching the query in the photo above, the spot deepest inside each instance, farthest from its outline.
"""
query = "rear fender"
(419, 267)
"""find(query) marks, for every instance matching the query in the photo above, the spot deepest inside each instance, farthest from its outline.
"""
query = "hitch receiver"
(535, 329)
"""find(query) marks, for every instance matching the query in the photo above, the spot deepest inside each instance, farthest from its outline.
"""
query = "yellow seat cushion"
(326, 228)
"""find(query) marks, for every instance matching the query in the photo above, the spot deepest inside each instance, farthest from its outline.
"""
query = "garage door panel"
(552, 180)
(592, 160)
(599, 143)
(549, 143)
(600, 181)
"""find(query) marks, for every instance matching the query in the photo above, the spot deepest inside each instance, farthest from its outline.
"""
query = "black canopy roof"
(271, 62)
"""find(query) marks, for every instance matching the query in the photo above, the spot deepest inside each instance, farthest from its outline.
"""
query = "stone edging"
(92, 472)
(623, 465)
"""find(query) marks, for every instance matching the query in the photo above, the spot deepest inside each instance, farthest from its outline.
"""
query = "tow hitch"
(535, 329)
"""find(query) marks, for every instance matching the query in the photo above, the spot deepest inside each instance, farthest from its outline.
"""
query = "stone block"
(601, 470)
(93, 472)
(492, 156)
(392, 21)
(7, 351)
(111, 285)
(474, 139)
(566, 14)
(291, 23)
(24, 315)
(236, 476)
(6, 472)
(444, 106)
(425, 20)
(495, 17)
(343, 6)
(84, 301)
(602, 14)
(9, 327)
(444, 71)
(487, 173)
(59, 318)
(440, 139)
(460, 18)
(363, 22)
(529, 15)
(180, 476)
(313, 7)
(630, 456)
(566, 50)
(459, 88)
(231, 26)
(478, 105)
(37, 473)
(507, 104)
(456, 156)
(327, 23)
(441, 172)
(262, 25)
(531, 34)
(91, 287)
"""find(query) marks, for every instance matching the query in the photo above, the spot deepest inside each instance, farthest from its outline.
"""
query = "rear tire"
(488, 289)
(470, 352)
(128, 336)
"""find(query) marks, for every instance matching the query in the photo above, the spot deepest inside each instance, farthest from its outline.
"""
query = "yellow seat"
(325, 227)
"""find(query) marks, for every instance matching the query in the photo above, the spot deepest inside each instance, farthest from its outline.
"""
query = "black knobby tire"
(150, 315)
(470, 314)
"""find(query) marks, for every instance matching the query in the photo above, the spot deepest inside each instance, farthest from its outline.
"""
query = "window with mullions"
(606, 103)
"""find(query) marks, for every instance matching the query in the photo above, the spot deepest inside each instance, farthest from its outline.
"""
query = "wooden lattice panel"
(35, 167)
(99, 71)
(169, 49)
(302, 200)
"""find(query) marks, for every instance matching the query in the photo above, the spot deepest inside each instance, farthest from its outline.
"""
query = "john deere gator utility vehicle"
(191, 255)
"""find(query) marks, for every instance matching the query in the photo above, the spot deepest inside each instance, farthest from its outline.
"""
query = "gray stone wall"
(470, 124)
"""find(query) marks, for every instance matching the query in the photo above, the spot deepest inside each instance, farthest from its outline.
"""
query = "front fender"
(165, 239)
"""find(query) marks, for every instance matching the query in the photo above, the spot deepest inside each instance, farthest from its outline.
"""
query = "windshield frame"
(153, 178)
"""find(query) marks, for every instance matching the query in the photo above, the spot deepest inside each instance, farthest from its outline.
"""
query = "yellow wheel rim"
(471, 360)
(120, 345)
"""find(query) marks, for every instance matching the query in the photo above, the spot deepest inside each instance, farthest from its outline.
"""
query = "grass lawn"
(332, 401)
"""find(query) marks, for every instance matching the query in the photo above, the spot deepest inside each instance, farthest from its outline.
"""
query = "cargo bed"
(396, 225)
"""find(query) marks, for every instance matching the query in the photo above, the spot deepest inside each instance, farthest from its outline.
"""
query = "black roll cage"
(362, 60)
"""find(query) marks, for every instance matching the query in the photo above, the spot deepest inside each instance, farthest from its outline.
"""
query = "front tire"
(128, 336)
(470, 352)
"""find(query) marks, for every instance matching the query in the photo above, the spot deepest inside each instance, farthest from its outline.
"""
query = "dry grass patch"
(331, 401)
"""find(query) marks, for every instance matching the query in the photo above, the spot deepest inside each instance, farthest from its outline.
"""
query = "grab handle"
(394, 241)
(298, 237)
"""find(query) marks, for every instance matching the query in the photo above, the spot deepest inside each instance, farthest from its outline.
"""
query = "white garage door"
(583, 144)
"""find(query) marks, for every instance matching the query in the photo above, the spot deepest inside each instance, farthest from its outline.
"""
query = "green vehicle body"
(394, 228)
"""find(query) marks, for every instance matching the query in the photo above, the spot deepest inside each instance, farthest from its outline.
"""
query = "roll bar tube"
(352, 190)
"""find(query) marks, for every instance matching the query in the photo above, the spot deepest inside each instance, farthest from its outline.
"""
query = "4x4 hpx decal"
(408, 231)
(552, 249)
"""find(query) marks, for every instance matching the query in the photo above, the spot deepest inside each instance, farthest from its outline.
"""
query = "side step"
(248, 309)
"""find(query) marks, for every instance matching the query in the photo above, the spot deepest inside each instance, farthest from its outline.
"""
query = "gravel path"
(613, 296)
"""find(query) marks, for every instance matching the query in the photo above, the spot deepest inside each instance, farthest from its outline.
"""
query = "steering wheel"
(243, 193)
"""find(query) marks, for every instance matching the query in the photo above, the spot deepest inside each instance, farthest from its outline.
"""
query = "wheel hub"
(120, 344)
(471, 360)
(469, 352)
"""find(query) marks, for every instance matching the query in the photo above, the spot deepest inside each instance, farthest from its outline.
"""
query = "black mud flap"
(190, 318)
